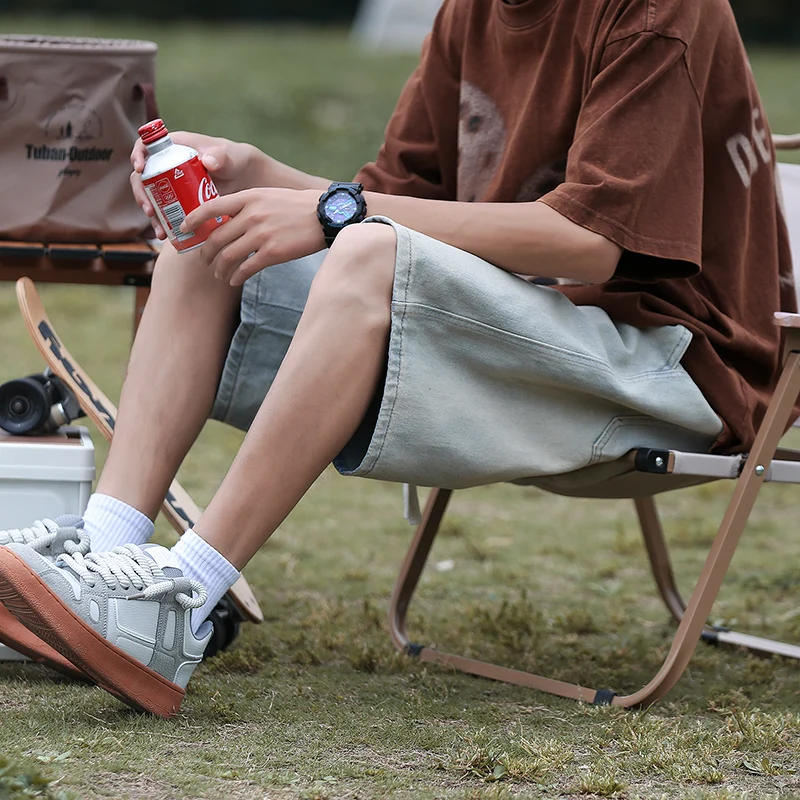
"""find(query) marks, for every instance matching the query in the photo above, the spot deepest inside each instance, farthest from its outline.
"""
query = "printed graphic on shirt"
(542, 182)
(481, 143)
(750, 150)
(482, 147)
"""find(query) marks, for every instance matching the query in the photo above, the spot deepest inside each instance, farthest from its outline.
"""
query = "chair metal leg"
(692, 618)
(401, 597)
(665, 581)
(730, 531)
(412, 568)
(658, 553)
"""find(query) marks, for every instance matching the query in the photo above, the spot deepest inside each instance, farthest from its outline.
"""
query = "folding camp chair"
(639, 476)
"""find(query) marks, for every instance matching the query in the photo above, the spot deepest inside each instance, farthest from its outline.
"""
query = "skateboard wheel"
(227, 622)
(24, 405)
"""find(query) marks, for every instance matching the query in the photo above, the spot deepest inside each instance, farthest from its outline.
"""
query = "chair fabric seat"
(613, 480)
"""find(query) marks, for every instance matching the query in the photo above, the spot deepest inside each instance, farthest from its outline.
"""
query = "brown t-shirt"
(639, 120)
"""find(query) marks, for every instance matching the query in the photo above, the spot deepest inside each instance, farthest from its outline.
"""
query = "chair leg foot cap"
(604, 697)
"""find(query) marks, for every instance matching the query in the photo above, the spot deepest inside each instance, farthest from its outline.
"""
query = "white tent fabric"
(790, 184)
(394, 24)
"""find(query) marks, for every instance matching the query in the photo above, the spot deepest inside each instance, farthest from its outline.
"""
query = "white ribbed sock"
(111, 523)
(197, 559)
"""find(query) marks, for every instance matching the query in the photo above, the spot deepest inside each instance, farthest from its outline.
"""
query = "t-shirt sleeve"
(635, 168)
(418, 155)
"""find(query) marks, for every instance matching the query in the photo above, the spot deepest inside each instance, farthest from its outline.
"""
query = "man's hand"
(233, 166)
(266, 227)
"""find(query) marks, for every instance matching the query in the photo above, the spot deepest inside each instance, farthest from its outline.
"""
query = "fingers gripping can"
(176, 182)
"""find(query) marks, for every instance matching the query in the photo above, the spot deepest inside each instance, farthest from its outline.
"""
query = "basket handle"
(147, 92)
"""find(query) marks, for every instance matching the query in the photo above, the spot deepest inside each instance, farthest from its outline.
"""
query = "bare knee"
(187, 272)
(358, 273)
(183, 283)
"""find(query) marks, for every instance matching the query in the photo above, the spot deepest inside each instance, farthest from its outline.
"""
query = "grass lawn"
(315, 703)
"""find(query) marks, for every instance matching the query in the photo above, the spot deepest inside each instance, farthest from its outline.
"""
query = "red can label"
(176, 193)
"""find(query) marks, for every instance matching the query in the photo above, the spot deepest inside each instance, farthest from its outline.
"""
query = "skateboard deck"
(178, 507)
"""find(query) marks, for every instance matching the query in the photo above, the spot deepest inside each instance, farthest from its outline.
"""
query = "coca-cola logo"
(206, 191)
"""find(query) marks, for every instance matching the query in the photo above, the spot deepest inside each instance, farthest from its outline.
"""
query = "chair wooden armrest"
(115, 264)
(25, 250)
(787, 320)
(128, 253)
(787, 142)
(73, 252)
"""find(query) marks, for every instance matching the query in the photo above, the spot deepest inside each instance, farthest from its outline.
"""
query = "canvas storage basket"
(70, 109)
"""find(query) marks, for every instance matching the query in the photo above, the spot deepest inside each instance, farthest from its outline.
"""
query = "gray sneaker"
(50, 538)
(119, 616)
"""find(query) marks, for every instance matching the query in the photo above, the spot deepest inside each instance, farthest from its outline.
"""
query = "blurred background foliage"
(768, 21)
(762, 21)
(311, 11)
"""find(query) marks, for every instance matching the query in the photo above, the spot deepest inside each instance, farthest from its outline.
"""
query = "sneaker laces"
(129, 567)
(42, 534)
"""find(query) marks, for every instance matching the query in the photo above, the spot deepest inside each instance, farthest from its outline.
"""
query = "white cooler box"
(43, 476)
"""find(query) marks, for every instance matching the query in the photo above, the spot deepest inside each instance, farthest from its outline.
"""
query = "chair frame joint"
(604, 697)
(657, 462)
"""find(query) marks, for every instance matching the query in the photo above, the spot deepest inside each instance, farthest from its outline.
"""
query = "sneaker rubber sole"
(15, 635)
(34, 604)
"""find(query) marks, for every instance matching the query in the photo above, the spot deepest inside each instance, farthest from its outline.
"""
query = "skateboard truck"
(227, 620)
(38, 404)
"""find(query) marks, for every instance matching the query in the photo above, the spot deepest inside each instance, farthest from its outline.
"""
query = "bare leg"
(172, 378)
(319, 397)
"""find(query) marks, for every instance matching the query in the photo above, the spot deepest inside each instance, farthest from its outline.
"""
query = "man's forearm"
(266, 171)
(526, 238)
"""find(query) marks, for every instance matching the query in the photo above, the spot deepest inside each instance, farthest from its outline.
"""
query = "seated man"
(619, 145)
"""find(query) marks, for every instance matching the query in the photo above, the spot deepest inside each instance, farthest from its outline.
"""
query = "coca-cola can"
(177, 183)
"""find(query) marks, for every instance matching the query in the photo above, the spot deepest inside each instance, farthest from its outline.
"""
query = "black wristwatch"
(342, 205)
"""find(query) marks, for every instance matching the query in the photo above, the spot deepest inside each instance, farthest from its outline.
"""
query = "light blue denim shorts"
(489, 377)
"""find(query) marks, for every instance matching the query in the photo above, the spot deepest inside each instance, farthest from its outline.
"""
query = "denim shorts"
(488, 377)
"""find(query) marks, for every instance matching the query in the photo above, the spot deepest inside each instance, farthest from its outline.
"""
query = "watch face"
(340, 207)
